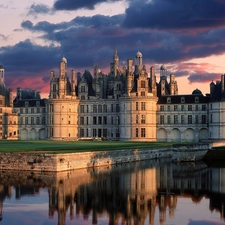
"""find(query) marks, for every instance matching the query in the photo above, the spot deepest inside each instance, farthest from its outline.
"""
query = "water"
(147, 193)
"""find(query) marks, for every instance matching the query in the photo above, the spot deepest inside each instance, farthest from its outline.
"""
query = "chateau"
(127, 104)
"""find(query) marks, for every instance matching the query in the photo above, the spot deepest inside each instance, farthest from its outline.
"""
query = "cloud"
(175, 15)
(3, 37)
(78, 4)
(39, 9)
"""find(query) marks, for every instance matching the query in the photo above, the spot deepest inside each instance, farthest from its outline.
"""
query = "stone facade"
(127, 104)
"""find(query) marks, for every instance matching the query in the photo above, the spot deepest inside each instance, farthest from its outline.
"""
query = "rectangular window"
(51, 108)
(182, 119)
(136, 105)
(43, 110)
(196, 119)
(43, 120)
(117, 108)
(32, 120)
(142, 84)
(82, 120)
(105, 108)
(99, 120)
(111, 119)
(168, 120)
(87, 109)
(175, 107)
(94, 132)
(142, 93)
(26, 120)
(189, 107)
(104, 132)
(136, 132)
(81, 132)
(142, 132)
(143, 118)
(143, 106)
(196, 107)
(168, 108)
(32, 110)
(99, 108)
(161, 120)
(203, 107)
(51, 132)
(117, 120)
(104, 119)
(203, 119)
(189, 119)
(21, 110)
(111, 107)
(161, 107)
(94, 108)
(26, 110)
(38, 120)
(94, 120)
(136, 119)
(87, 120)
(38, 110)
(175, 118)
(182, 108)
(82, 108)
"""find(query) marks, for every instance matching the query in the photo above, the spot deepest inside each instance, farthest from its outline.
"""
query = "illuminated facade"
(127, 104)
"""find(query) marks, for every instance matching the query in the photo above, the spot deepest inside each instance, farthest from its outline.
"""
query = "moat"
(146, 192)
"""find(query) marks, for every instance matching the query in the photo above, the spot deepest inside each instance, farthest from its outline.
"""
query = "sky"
(187, 36)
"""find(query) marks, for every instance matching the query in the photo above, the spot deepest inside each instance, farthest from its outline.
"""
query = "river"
(151, 192)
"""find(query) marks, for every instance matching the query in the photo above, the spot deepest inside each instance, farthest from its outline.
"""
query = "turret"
(138, 62)
(62, 77)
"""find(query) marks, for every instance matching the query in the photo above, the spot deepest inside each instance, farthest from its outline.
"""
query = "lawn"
(74, 146)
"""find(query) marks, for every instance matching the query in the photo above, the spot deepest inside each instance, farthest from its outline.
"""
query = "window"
(111, 107)
(143, 118)
(104, 119)
(94, 132)
(203, 119)
(21, 120)
(196, 107)
(175, 118)
(21, 111)
(87, 120)
(142, 84)
(136, 119)
(99, 120)
(81, 120)
(203, 107)
(82, 89)
(43, 120)
(182, 119)
(32, 120)
(32, 110)
(143, 106)
(161, 120)
(168, 100)
(26, 120)
(82, 97)
(161, 107)
(94, 108)
(168, 108)
(189, 119)
(168, 120)
(111, 119)
(196, 99)
(196, 119)
(87, 109)
(182, 100)
(51, 119)
(105, 108)
(82, 108)
(182, 107)
(175, 107)
(104, 132)
(136, 132)
(51, 132)
(99, 108)
(26, 110)
(94, 120)
(189, 107)
(117, 120)
(117, 108)
(51, 109)
(142, 132)
(142, 93)
(38, 110)
(38, 120)
(136, 105)
(43, 110)
(81, 132)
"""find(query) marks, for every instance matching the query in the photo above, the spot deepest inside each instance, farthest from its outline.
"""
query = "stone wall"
(70, 161)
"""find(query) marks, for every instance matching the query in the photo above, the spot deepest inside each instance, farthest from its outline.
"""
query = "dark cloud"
(78, 4)
(3, 37)
(175, 14)
(203, 77)
(39, 9)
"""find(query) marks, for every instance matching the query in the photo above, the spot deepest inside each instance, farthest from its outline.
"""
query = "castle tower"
(138, 62)
(115, 62)
(130, 76)
(73, 84)
(153, 81)
(163, 80)
(173, 85)
(2, 74)
(62, 77)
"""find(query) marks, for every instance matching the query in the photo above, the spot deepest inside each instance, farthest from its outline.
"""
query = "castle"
(127, 104)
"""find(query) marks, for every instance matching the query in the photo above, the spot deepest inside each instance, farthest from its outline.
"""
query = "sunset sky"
(187, 36)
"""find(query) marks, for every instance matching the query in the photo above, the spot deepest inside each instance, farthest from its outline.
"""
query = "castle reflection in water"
(128, 192)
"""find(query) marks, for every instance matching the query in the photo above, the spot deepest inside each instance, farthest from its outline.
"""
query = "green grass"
(75, 146)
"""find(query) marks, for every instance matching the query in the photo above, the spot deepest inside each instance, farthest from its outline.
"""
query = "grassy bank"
(78, 146)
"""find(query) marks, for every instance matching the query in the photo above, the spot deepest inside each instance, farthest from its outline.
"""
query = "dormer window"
(196, 99)
(182, 100)
(37, 103)
(26, 104)
(82, 89)
(168, 100)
